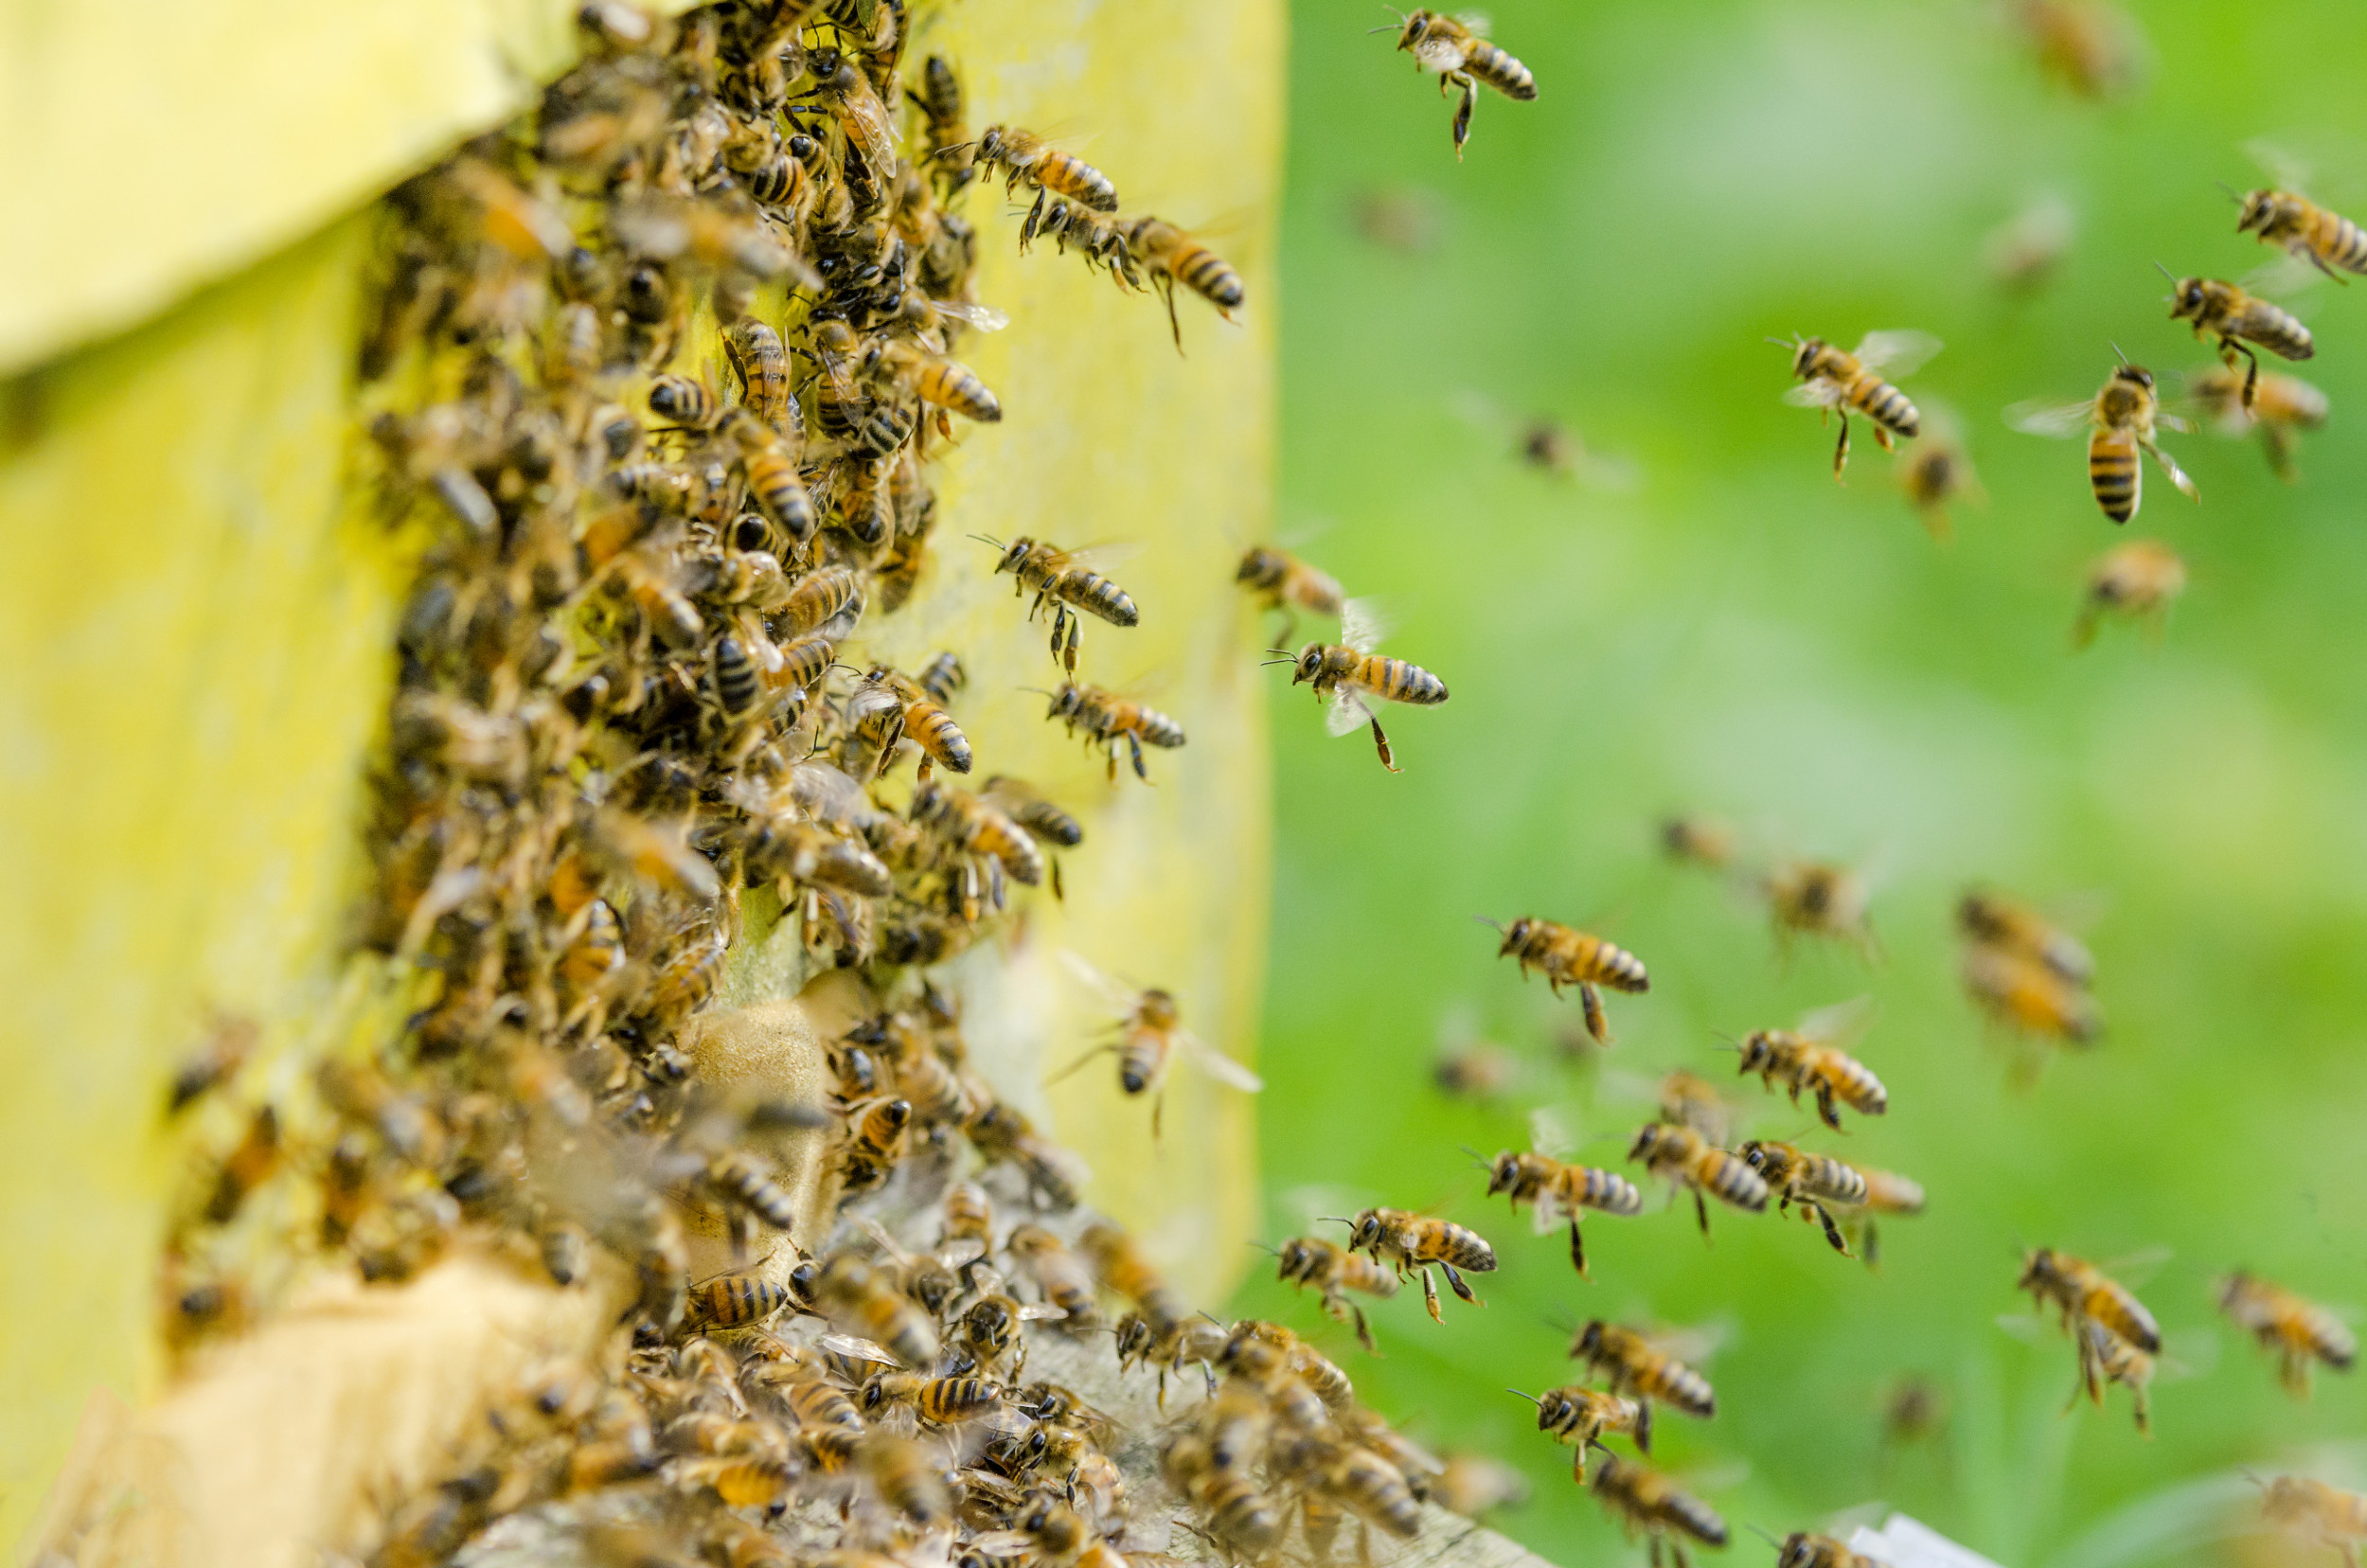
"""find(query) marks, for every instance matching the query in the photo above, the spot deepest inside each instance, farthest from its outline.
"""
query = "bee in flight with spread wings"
(1350, 673)
(1150, 1033)
(1842, 383)
(2119, 419)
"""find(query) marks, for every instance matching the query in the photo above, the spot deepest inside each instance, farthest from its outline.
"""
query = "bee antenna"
(1782, 343)
(987, 538)
(2247, 1472)
(1495, 925)
(1328, 1218)
(2165, 272)
(2118, 350)
(2233, 194)
(1531, 1397)
(1475, 1154)
(1268, 664)
(1263, 1248)
(1037, 690)
(1772, 1541)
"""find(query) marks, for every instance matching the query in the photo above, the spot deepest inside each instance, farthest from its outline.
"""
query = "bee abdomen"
(736, 683)
(1829, 1179)
(1888, 406)
(804, 661)
(1240, 1512)
(819, 597)
(737, 1299)
(1155, 727)
(1695, 1518)
(1090, 591)
(955, 1398)
(1686, 1389)
(934, 731)
(1856, 1083)
(1736, 1182)
(1211, 276)
(1461, 1246)
(2112, 473)
(2278, 332)
(1499, 70)
(1401, 681)
(957, 387)
(779, 490)
(681, 400)
(1069, 175)
(1615, 967)
(1607, 1191)
(2345, 243)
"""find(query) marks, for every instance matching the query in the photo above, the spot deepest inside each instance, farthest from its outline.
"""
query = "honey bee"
(2026, 995)
(2238, 320)
(1643, 1499)
(1187, 1342)
(941, 1401)
(1813, 1180)
(907, 1476)
(942, 110)
(1633, 1365)
(1801, 1549)
(1994, 919)
(1059, 1274)
(1359, 1480)
(684, 403)
(2105, 1357)
(2334, 1518)
(908, 369)
(1938, 473)
(2120, 420)
(246, 1167)
(1808, 1059)
(1581, 1416)
(1025, 157)
(2083, 1294)
(1688, 1102)
(2281, 405)
(2092, 48)
(1123, 1268)
(1239, 1513)
(1840, 384)
(1286, 583)
(846, 96)
(2024, 252)
(1044, 822)
(860, 1299)
(1473, 1071)
(1002, 1135)
(1333, 1271)
(1886, 1192)
(1456, 53)
(1567, 957)
(875, 1142)
(1350, 672)
(1062, 579)
(2323, 239)
(736, 1300)
(924, 721)
(990, 1329)
(1149, 1034)
(658, 853)
(228, 1045)
(1172, 257)
(1698, 840)
(1914, 1408)
(1411, 1242)
(740, 1178)
(973, 828)
(1558, 1190)
(1818, 899)
(1296, 1357)
(821, 598)
(769, 461)
(2297, 1330)
(1108, 718)
(1685, 1159)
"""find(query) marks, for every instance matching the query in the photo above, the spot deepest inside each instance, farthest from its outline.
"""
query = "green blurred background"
(1736, 634)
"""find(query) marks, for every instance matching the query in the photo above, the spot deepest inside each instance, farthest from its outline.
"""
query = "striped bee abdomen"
(2112, 473)
(1886, 405)
(1499, 70)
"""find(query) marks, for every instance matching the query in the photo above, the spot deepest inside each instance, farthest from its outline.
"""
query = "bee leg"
(1035, 216)
(1840, 452)
(1644, 1426)
(1163, 1388)
(1462, 114)
(1577, 1248)
(1364, 1332)
(1068, 655)
(1832, 1232)
(1057, 893)
(1882, 437)
(1578, 1465)
(1430, 1297)
(1868, 1243)
(1701, 1211)
(1460, 1286)
(1380, 744)
(2229, 349)
(2278, 443)
(1825, 1110)
(1158, 1108)
(1134, 743)
(1591, 1006)
(1167, 290)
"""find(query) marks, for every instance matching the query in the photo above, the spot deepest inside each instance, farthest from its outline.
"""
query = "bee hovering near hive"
(2116, 1336)
(2315, 1511)
(1109, 720)
(1818, 1183)
(1151, 1033)
(1643, 1499)
(1556, 1190)
(1064, 579)
(2238, 320)
(1411, 1242)
(2281, 408)
(1332, 1270)
(1809, 1059)
(2119, 421)
(1350, 673)
(1841, 384)
(1580, 1416)
(1939, 475)
(1686, 1160)
(2297, 1330)
(1286, 583)
(2324, 238)
(1457, 51)
(1568, 956)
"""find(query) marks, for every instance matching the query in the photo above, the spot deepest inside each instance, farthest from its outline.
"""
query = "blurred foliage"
(1736, 634)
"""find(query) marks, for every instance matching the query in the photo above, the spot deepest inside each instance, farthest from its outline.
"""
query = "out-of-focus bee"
(1333, 1271)
(821, 598)
(1411, 1243)
(2119, 421)
(1841, 384)
(684, 403)
(1998, 920)
(2281, 405)
(1238, 1512)
(736, 1300)
(1358, 1479)
(1108, 718)
(1643, 1499)
(1172, 257)
(1025, 157)
(2089, 46)
(1809, 1058)
(2081, 1293)
(1684, 1159)
(1062, 579)
(907, 1475)
(1633, 1365)
(1245, 1354)
(1886, 1192)
(1473, 1485)
(861, 1300)
(1567, 957)
(1801, 1549)
(2107, 1358)
(769, 461)
(1187, 1342)
(1558, 1190)
(1350, 674)
(657, 852)
(1698, 840)
(1914, 1408)
(1693, 1102)
(1002, 1135)
(2323, 239)
(2312, 1509)
(1459, 56)
(972, 828)
(1286, 583)
(1580, 1416)
(2297, 1330)
(226, 1048)
(1059, 1274)
(2023, 253)
(247, 1165)
(1122, 1267)
(1046, 823)
(1401, 219)
(745, 1181)
(2029, 997)
(940, 102)
(1938, 473)
(1473, 1070)
(1813, 1180)
(942, 677)
(1151, 1033)
(874, 1144)
(991, 1327)
(1818, 899)
(2238, 319)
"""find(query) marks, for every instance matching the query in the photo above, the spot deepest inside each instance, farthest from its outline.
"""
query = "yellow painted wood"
(197, 624)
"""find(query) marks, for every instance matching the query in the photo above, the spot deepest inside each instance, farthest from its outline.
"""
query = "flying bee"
(2028, 996)
(744, 1181)
(1579, 1416)
(1567, 957)
(941, 678)
(2297, 1330)
(1557, 1190)
(1108, 718)
(940, 102)
(1149, 1034)
(1350, 672)
(1459, 56)
(1807, 1059)
(1172, 257)
(1840, 383)
(2081, 1293)
(2323, 239)
(2025, 251)
(1643, 1499)
(1886, 1192)
(2281, 405)
(1938, 473)
(1059, 1274)
(1358, 1479)
(2238, 319)
(861, 1300)
(1801, 1549)
(1238, 1512)
(1815, 1182)
(2107, 1358)
(1474, 1484)
(736, 1300)
(1045, 822)
(2089, 46)
(1473, 1070)
(1693, 1102)
(2119, 421)
(913, 370)
(1698, 840)
(1684, 1159)
(972, 828)
(1062, 579)
(1411, 1242)
(1333, 1271)
(1122, 1267)
(2332, 1517)
(1995, 919)
(1818, 899)
(1632, 1364)
(1025, 157)
(1285, 583)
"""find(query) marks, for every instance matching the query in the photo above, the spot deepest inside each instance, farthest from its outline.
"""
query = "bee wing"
(1348, 713)
(1615, 474)
(1093, 979)
(1478, 24)
(1815, 393)
(856, 1348)
(2284, 168)
(986, 318)
(1216, 1064)
(1906, 1542)
(1480, 411)
(2026, 1326)
(1552, 1131)
(2056, 420)
(2187, 1353)
(2280, 277)
(2134, 1268)
(1362, 624)
(1103, 553)
(1003, 1544)
(1897, 353)
(2177, 476)
(1842, 1024)
(1696, 1344)
(1041, 1312)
